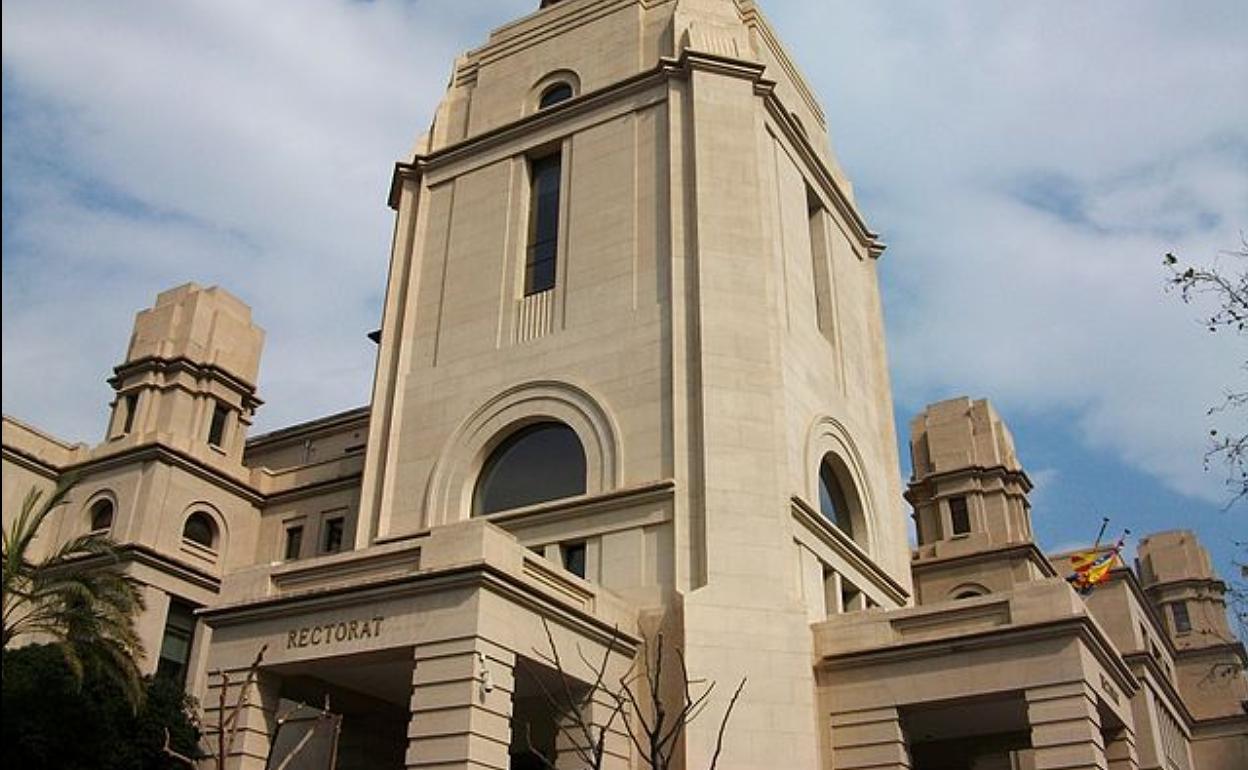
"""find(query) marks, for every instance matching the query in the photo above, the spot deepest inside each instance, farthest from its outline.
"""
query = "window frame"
(502, 451)
(218, 428)
(545, 221)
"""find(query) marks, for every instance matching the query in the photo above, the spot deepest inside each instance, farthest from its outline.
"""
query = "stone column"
(252, 729)
(1065, 728)
(873, 738)
(617, 747)
(1120, 750)
(461, 706)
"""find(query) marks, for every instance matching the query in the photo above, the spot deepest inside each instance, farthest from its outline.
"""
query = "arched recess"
(451, 483)
(545, 87)
(100, 512)
(968, 591)
(830, 442)
(188, 528)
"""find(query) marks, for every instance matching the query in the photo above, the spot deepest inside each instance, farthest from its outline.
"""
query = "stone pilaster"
(617, 747)
(869, 739)
(1066, 728)
(461, 706)
(254, 725)
(1120, 750)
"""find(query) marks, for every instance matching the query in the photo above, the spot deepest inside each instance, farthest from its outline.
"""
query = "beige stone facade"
(626, 233)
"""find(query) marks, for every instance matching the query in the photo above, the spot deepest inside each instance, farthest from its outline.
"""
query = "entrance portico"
(1019, 679)
(417, 643)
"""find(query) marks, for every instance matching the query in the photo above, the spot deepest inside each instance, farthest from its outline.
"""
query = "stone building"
(630, 376)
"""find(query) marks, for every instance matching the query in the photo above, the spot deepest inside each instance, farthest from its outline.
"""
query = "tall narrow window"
(574, 558)
(131, 405)
(175, 647)
(294, 542)
(833, 503)
(216, 431)
(819, 260)
(959, 515)
(331, 539)
(541, 256)
(1182, 621)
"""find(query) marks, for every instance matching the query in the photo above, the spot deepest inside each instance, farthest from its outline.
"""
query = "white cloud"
(1029, 165)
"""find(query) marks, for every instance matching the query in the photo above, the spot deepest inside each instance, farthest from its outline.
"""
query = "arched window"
(539, 462)
(102, 515)
(554, 93)
(200, 529)
(833, 502)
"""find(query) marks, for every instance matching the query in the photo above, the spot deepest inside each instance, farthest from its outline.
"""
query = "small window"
(199, 529)
(959, 515)
(294, 543)
(574, 558)
(131, 405)
(101, 516)
(216, 431)
(559, 92)
(967, 594)
(833, 502)
(542, 253)
(175, 647)
(331, 539)
(1182, 621)
(540, 462)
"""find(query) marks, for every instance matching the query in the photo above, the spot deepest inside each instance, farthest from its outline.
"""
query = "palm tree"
(72, 597)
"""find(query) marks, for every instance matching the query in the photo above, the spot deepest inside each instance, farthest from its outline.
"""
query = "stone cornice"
(475, 576)
(183, 364)
(1082, 628)
(171, 456)
(667, 68)
(1026, 550)
(137, 553)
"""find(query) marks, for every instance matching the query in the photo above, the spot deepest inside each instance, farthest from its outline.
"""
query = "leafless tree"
(229, 715)
(634, 702)
(1225, 283)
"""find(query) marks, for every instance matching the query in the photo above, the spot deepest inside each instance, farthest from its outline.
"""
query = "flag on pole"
(1093, 567)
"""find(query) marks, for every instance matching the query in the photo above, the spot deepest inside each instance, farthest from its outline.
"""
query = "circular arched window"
(102, 515)
(200, 529)
(558, 92)
(540, 462)
(833, 502)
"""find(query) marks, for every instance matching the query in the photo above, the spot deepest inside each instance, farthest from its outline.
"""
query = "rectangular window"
(216, 431)
(1182, 621)
(959, 516)
(541, 256)
(175, 646)
(131, 405)
(331, 538)
(574, 558)
(294, 542)
(819, 260)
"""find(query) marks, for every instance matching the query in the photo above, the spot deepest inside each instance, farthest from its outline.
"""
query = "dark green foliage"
(50, 722)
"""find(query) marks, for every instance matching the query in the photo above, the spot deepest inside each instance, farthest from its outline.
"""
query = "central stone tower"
(625, 233)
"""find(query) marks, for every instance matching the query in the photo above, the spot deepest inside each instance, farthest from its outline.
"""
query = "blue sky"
(1027, 163)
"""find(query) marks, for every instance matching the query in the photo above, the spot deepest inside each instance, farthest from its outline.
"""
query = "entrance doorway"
(372, 692)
